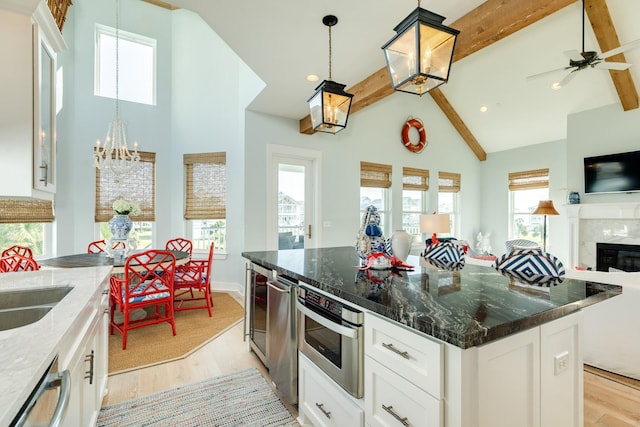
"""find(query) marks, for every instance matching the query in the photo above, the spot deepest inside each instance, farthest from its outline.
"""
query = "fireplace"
(617, 256)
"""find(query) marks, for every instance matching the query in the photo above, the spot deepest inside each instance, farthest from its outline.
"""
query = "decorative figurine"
(370, 239)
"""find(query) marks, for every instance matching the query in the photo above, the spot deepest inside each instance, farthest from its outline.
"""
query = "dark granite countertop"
(465, 308)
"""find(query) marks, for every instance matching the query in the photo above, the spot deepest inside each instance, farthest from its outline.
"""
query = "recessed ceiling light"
(556, 86)
(313, 77)
(483, 109)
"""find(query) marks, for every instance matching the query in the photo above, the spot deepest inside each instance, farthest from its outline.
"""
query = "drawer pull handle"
(324, 411)
(396, 351)
(390, 410)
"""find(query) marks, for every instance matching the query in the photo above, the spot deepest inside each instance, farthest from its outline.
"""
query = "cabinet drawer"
(413, 356)
(392, 401)
(324, 403)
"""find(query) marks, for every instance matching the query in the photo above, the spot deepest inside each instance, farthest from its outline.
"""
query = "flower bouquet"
(125, 207)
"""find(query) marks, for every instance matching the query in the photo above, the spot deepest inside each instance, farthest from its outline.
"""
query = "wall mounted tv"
(612, 173)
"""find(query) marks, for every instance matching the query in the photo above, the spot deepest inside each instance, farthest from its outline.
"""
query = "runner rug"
(239, 399)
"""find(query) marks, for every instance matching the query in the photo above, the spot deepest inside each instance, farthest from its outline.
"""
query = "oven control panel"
(330, 305)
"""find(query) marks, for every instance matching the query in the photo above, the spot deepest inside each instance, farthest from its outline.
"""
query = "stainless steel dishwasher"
(282, 332)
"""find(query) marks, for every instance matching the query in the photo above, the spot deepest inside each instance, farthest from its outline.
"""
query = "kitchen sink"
(10, 319)
(20, 308)
(33, 297)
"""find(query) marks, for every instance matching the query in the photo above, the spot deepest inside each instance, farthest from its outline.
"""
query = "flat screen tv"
(612, 173)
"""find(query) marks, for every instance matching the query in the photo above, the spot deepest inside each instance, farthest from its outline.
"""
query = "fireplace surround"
(615, 256)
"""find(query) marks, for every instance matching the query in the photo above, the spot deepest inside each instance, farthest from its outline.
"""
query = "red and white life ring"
(419, 146)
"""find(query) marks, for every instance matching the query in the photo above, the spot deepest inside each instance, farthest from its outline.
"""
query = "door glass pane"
(291, 222)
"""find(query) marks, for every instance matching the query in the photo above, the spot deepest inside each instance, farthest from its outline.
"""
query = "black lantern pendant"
(419, 56)
(330, 104)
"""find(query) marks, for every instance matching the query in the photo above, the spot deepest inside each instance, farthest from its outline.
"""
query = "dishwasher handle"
(52, 380)
(273, 286)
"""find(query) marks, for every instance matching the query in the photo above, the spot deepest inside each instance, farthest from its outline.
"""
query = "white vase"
(401, 244)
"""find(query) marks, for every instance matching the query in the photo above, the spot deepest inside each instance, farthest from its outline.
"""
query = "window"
(206, 199)
(415, 184)
(139, 187)
(526, 189)
(26, 223)
(136, 66)
(375, 181)
(448, 190)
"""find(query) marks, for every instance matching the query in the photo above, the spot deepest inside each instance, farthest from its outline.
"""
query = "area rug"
(239, 399)
(150, 345)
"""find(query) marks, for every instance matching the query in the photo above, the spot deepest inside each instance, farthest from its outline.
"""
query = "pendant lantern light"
(419, 56)
(330, 104)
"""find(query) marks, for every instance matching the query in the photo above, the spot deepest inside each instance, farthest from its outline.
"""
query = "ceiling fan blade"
(625, 47)
(573, 55)
(567, 79)
(546, 73)
(612, 65)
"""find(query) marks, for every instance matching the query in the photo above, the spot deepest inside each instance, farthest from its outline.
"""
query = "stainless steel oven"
(331, 335)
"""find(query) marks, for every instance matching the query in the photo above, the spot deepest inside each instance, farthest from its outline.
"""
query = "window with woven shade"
(26, 222)
(526, 189)
(415, 184)
(138, 187)
(448, 197)
(205, 204)
(375, 181)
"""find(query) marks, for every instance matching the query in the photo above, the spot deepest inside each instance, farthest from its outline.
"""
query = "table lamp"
(435, 223)
(545, 207)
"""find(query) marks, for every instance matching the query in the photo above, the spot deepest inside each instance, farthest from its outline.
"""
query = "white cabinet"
(86, 357)
(403, 376)
(322, 403)
(28, 92)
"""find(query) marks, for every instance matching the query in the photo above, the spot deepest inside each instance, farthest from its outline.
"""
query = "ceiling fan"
(588, 59)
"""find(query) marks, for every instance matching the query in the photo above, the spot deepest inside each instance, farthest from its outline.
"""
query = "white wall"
(372, 135)
(495, 191)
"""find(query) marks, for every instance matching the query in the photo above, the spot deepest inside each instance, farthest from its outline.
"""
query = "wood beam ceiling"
(605, 32)
(488, 23)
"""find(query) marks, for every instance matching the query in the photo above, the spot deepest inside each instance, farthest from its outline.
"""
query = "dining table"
(100, 259)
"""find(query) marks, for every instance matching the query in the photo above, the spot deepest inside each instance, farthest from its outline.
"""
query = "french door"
(293, 198)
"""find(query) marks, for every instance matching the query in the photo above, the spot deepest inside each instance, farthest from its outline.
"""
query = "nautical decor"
(370, 238)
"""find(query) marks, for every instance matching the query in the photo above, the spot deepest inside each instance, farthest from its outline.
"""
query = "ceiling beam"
(457, 123)
(162, 4)
(488, 23)
(605, 32)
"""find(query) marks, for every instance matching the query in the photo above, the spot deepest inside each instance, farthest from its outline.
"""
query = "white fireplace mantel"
(585, 229)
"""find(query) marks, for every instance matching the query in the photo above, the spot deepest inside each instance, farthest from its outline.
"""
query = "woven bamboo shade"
(138, 187)
(375, 175)
(448, 182)
(415, 179)
(528, 180)
(20, 211)
(206, 186)
(59, 11)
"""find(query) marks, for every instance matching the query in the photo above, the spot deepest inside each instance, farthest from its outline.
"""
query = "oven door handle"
(333, 326)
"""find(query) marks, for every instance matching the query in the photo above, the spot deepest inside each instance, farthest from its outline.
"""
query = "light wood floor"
(607, 403)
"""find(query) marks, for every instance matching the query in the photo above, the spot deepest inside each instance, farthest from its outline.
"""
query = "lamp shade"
(329, 107)
(419, 56)
(435, 223)
(545, 207)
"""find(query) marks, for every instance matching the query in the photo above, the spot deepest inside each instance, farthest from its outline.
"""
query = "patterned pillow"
(446, 253)
(531, 265)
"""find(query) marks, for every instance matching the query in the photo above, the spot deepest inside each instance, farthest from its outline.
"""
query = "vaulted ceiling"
(500, 44)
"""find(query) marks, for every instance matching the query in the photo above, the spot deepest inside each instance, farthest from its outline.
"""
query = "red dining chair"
(17, 262)
(19, 250)
(101, 246)
(179, 244)
(148, 281)
(195, 275)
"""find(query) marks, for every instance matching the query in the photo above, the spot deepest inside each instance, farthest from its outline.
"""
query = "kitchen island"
(508, 354)
(74, 330)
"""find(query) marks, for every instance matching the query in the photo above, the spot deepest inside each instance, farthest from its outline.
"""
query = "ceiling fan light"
(419, 56)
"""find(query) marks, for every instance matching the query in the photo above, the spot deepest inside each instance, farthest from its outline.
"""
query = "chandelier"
(114, 155)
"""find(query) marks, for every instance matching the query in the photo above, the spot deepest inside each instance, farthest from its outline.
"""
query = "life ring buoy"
(419, 146)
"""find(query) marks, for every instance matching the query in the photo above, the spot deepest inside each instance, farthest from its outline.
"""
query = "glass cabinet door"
(44, 115)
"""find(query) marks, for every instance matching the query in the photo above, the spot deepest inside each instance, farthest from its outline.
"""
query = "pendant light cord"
(584, 12)
(329, 52)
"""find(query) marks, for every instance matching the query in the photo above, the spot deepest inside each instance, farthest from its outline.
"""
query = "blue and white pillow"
(445, 253)
(531, 265)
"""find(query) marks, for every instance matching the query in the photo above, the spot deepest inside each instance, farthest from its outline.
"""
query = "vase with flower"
(120, 225)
